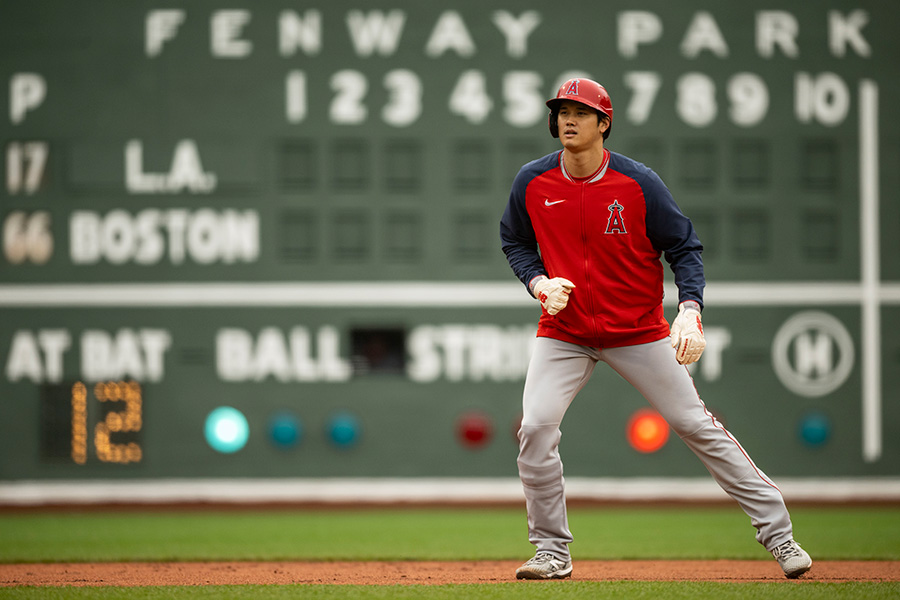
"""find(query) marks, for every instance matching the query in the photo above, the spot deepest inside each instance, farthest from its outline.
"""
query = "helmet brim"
(553, 105)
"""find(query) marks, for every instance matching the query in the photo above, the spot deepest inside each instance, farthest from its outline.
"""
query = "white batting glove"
(687, 333)
(553, 294)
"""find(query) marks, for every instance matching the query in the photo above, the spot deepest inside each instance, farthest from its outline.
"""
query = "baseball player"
(584, 230)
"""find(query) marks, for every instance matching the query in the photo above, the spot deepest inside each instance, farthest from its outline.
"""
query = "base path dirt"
(422, 573)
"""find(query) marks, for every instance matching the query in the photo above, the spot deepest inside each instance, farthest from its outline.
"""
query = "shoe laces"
(788, 550)
(543, 557)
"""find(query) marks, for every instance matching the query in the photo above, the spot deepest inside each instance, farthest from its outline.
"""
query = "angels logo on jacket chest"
(616, 222)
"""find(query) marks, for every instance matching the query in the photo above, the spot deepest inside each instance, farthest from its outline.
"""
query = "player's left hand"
(687, 333)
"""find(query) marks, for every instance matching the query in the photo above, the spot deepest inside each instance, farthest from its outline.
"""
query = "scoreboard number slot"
(101, 422)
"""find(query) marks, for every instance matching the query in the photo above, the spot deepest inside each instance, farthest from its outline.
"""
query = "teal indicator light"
(226, 430)
(815, 429)
(344, 430)
(285, 430)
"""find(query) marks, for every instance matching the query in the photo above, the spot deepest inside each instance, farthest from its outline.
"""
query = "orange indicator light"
(647, 431)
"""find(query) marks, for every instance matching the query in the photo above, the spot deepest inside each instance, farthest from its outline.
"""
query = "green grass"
(462, 534)
(502, 591)
(419, 534)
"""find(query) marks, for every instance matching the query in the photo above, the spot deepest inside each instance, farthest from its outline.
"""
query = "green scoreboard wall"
(286, 215)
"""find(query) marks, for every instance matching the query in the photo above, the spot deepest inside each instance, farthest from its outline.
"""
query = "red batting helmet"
(585, 91)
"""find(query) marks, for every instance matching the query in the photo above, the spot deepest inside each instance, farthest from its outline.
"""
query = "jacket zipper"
(586, 257)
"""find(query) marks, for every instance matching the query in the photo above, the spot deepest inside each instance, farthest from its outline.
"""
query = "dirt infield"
(422, 573)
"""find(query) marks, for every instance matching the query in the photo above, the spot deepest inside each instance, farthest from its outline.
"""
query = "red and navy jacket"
(605, 234)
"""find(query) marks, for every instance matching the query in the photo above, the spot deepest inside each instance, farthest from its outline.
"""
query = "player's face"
(579, 126)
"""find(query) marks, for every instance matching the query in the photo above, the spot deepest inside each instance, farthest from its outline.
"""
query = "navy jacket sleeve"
(517, 237)
(672, 233)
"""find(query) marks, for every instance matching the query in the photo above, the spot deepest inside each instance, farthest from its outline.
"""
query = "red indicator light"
(474, 429)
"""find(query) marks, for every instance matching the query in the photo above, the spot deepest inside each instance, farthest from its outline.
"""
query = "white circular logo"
(812, 354)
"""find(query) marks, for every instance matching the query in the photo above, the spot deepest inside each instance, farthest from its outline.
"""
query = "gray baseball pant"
(559, 370)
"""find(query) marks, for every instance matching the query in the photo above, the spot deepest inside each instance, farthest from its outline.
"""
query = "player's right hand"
(553, 294)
